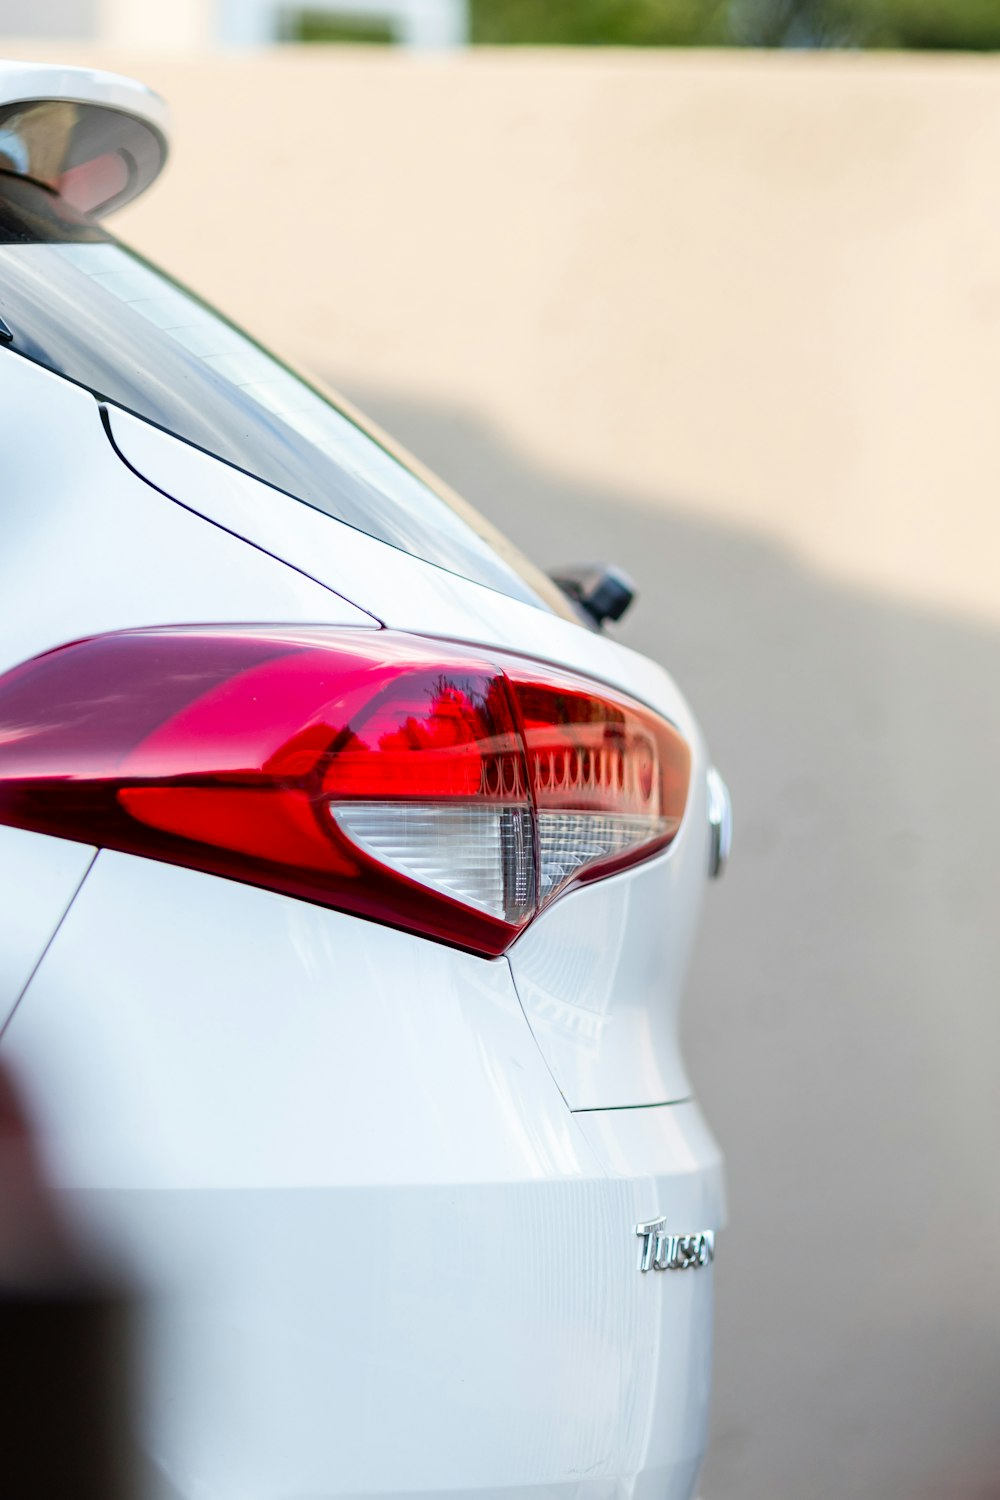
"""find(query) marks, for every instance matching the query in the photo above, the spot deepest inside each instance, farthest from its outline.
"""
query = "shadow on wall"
(843, 1018)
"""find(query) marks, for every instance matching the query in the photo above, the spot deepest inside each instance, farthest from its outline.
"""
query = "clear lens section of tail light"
(415, 783)
(483, 856)
(570, 843)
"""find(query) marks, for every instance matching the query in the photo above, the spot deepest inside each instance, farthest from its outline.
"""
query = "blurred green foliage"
(320, 26)
(601, 23)
(945, 25)
(969, 25)
(972, 25)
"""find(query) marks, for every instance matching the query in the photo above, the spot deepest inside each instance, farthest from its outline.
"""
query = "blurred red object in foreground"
(65, 1386)
(34, 1246)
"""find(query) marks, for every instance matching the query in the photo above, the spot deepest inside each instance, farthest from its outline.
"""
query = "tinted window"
(81, 304)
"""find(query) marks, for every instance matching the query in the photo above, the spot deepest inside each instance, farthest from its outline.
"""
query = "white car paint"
(49, 874)
(404, 592)
(386, 1258)
(380, 1194)
(88, 547)
(24, 82)
(599, 975)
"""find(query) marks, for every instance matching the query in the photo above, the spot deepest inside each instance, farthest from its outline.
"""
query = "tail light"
(435, 788)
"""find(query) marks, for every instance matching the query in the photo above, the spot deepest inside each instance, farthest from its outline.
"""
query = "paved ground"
(843, 1021)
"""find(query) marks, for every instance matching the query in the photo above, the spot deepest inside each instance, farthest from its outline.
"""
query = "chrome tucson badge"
(673, 1252)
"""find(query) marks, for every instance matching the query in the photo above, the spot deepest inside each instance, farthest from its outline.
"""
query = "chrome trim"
(673, 1252)
(720, 823)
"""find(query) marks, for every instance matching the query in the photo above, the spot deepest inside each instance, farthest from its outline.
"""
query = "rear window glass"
(80, 303)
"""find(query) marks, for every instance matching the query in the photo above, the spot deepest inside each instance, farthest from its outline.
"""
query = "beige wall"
(763, 288)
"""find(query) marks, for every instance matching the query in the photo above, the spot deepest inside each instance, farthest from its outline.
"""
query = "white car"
(349, 878)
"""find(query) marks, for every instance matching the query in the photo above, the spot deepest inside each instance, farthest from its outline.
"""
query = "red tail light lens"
(608, 779)
(423, 785)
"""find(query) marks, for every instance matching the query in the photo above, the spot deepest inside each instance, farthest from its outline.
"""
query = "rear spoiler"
(96, 139)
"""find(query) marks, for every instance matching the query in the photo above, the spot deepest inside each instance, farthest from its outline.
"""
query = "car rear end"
(352, 882)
